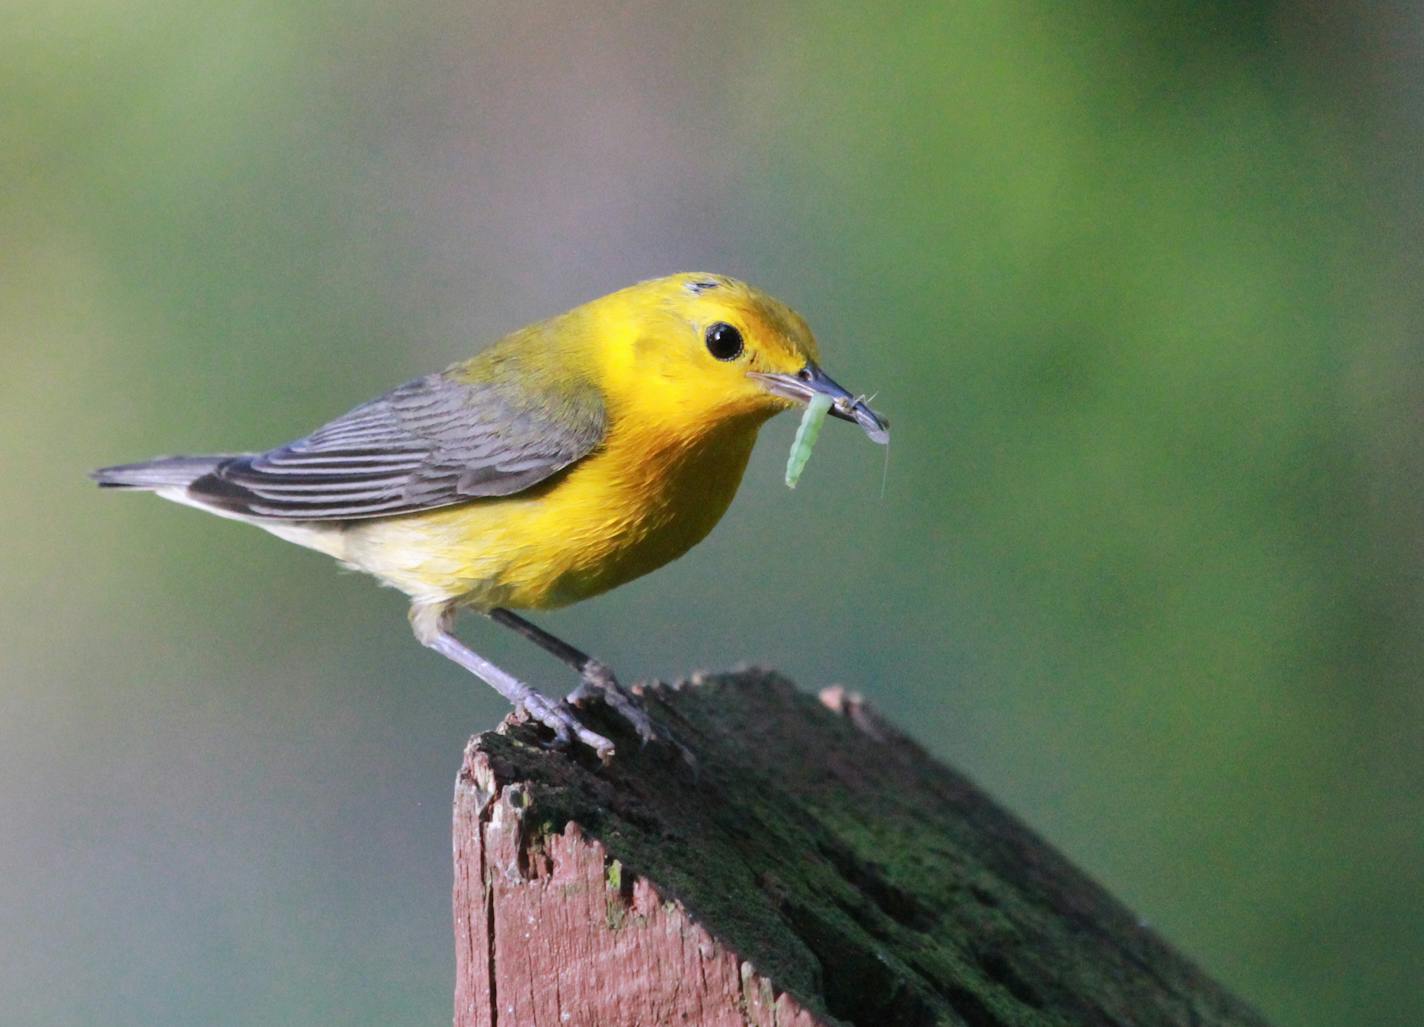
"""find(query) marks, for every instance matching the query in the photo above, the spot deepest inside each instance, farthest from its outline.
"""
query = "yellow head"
(694, 351)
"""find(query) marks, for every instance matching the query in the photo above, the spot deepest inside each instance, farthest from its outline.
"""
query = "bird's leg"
(598, 679)
(432, 628)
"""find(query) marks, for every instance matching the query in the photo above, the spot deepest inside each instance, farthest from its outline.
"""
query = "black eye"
(723, 341)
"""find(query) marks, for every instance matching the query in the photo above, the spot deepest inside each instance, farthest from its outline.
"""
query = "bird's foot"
(599, 682)
(561, 719)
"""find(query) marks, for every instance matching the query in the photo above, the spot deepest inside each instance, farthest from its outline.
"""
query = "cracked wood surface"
(818, 869)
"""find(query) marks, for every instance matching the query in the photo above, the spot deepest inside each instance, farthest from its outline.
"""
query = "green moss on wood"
(849, 868)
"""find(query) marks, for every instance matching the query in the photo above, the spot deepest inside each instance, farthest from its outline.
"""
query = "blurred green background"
(1138, 284)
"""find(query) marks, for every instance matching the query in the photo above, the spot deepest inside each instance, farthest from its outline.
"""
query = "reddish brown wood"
(545, 938)
(819, 869)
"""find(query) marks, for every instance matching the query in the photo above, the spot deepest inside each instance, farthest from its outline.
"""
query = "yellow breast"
(644, 498)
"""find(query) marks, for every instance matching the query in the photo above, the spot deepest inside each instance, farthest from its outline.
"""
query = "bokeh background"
(1138, 284)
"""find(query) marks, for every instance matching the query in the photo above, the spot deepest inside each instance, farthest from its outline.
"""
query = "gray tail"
(164, 472)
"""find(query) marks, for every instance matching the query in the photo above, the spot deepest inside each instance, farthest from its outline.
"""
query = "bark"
(817, 868)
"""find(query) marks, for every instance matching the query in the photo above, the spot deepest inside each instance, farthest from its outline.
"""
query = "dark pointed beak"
(812, 381)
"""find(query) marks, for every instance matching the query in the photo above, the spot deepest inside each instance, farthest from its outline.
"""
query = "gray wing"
(428, 443)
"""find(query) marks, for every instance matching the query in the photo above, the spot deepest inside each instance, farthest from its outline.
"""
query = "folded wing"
(428, 443)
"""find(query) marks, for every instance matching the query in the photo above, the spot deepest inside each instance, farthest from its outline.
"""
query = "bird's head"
(702, 349)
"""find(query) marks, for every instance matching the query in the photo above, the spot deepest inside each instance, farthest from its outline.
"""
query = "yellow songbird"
(568, 458)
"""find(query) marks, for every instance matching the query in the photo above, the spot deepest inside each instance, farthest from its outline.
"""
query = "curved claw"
(599, 682)
(561, 720)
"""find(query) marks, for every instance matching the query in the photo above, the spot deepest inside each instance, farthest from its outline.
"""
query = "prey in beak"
(812, 381)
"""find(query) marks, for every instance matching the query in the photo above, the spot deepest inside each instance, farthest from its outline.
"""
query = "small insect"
(815, 415)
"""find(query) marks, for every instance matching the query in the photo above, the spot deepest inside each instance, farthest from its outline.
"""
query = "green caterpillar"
(806, 433)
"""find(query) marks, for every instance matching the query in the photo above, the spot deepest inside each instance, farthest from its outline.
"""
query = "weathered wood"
(819, 868)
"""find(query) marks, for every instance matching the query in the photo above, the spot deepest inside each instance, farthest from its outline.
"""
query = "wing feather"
(429, 443)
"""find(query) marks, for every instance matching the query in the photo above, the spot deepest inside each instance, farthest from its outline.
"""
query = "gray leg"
(432, 628)
(598, 679)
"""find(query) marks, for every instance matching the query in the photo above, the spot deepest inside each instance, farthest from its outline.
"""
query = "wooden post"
(818, 868)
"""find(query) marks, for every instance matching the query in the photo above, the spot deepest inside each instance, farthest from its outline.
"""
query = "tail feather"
(165, 472)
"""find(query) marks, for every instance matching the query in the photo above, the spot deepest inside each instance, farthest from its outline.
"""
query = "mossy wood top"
(817, 867)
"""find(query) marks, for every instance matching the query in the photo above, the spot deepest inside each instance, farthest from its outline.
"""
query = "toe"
(561, 719)
(583, 693)
(599, 682)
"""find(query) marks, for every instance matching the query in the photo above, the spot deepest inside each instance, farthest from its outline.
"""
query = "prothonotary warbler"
(568, 458)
